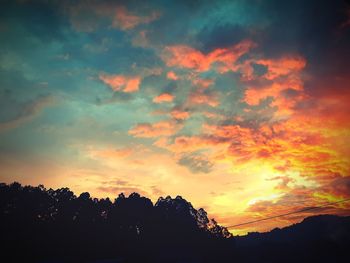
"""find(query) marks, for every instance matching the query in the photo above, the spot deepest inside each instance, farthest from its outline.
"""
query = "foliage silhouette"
(52, 224)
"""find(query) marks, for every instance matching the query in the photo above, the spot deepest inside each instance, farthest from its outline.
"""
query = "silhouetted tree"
(56, 225)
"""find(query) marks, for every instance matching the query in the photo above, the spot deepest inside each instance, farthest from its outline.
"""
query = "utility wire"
(290, 213)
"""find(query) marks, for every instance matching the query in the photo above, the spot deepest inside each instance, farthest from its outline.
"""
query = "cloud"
(203, 83)
(222, 35)
(203, 96)
(164, 97)
(122, 82)
(156, 191)
(84, 16)
(300, 197)
(183, 144)
(150, 130)
(126, 20)
(26, 112)
(196, 163)
(329, 103)
(88, 16)
(182, 56)
(282, 82)
(113, 153)
(140, 39)
(283, 66)
(172, 75)
(179, 114)
(341, 186)
(334, 188)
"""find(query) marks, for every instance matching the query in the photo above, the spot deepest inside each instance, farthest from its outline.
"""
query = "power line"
(290, 213)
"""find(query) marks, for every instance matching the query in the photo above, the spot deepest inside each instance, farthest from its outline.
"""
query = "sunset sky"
(240, 107)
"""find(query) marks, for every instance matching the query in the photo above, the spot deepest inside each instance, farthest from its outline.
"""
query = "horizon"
(240, 108)
(154, 203)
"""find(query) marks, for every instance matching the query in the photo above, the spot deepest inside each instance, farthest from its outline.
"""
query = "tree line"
(43, 225)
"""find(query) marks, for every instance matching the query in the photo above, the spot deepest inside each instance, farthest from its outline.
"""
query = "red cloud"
(164, 97)
(125, 20)
(187, 57)
(122, 82)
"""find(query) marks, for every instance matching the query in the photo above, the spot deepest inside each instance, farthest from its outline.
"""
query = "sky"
(240, 107)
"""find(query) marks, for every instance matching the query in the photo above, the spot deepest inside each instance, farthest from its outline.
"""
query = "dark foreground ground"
(40, 225)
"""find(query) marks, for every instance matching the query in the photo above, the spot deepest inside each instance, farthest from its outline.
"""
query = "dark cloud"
(312, 29)
(21, 99)
(118, 96)
(22, 112)
(116, 182)
(116, 186)
(42, 19)
(196, 163)
(259, 70)
(340, 187)
(170, 88)
(221, 36)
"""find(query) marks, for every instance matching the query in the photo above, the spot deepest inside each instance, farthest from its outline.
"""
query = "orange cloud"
(122, 82)
(213, 115)
(301, 141)
(164, 97)
(296, 187)
(125, 20)
(113, 153)
(187, 57)
(172, 75)
(283, 66)
(201, 97)
(299, 197)
(162, 128)
(203, 83)
(188, 144)
(253, 95)
(282, 82)
(179, 114)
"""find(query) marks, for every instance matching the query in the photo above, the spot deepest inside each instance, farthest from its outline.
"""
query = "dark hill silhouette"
(322, 238)
(40, 225)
